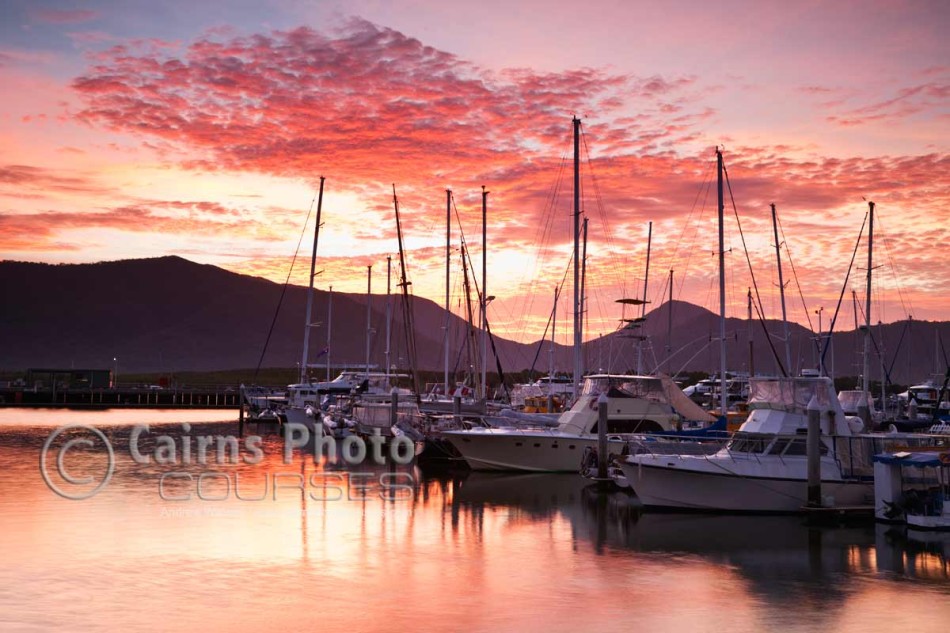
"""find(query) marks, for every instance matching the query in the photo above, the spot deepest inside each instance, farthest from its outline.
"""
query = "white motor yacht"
(636, 404)
(763, 468)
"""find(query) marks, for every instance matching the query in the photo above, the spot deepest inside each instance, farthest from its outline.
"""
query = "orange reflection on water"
(464, 550)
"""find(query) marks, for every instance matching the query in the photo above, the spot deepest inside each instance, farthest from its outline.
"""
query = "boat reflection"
(764, 549)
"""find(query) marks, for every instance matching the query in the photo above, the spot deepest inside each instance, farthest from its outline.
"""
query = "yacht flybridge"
(635, 404)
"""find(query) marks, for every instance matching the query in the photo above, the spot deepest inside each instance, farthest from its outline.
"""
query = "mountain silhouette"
(170, 314)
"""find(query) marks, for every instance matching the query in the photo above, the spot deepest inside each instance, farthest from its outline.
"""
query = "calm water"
(453, 552)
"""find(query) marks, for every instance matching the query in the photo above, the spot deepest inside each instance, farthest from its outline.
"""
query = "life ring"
(945, 458)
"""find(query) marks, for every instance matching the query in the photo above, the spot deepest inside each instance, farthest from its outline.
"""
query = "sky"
(136, 129)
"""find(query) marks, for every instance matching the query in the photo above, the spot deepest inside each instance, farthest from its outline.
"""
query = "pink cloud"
(368, 106)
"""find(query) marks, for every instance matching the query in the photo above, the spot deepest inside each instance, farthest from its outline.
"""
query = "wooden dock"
(124, 398)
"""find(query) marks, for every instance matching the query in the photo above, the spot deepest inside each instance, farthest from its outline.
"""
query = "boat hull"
(939, 523)
(297, 415)
(506, 450)
(682, 488)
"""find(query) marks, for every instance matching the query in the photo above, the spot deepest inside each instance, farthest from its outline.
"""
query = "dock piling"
(602, 437)
(813, 444)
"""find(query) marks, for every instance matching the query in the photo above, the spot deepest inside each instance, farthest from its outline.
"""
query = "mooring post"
(864, 410)
(241, 413)
(393, 407)
(457, 409)
(814, 453)
(602, 437)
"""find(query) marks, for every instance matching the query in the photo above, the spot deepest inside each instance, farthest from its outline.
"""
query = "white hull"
(921, 522)
(539, 451)
(681, 487)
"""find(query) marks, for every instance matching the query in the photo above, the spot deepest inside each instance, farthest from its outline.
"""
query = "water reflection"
(284, 546)
(765, 547)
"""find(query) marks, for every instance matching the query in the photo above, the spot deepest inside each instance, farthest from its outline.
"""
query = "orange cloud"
(368, 106)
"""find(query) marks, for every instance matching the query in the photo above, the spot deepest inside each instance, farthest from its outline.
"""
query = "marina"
(528, 317)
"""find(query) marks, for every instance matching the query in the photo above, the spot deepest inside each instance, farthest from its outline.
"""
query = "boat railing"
(673, 446)
(855, 454)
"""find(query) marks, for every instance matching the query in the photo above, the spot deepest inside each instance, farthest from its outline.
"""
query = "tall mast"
(469, 313)
(553, 327)
(643, 306)
(448, 255)
(404, 284)
(722, 286)
(781, 290)
(751, 348)
(584, 274)
(313, 273)
(866, 373)
(578, 362)
(854, 304)
(389, 313)
(669, 329)
(369, 306)
(484, 353)
(329, 326)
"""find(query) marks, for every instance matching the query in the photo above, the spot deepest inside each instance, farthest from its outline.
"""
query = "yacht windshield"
(627, 386)
(790, 393)
(851, 400)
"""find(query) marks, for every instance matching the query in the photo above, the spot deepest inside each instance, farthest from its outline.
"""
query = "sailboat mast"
(329, 326)
(369, 306)
(484, 353)
(866, 370)
(722, 286)
(751, 348)
(448, 255)
(669, 328)
(578, 363)
(313, 273)
(469, 313)
(854, 304)
(553, 327)
(389, 313)
(584, 274)
(643, 306)
(781, 290)
(404, 284)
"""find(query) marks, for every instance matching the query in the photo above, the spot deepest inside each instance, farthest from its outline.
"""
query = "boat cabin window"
(629, 426)
(749, 444)
(794, 446)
